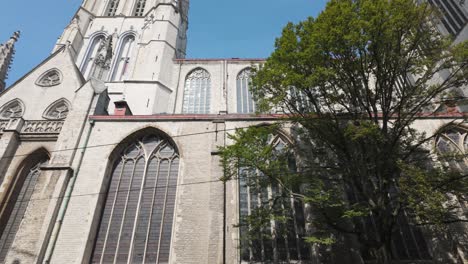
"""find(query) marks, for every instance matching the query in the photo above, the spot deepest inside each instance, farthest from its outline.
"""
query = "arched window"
(14, 210)
(137, 219)
(58, 110)
(140, 8)
(277, 241)
(12, 109)
(197, 92)
(245, 102)
(50, 78)
(452, 145)
(89, 64)
(112, 7)
(123, 59)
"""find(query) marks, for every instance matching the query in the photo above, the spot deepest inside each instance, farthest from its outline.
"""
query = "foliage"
(353, 81)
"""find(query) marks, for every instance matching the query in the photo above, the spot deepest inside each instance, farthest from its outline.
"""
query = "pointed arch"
(278, 241)
(451, 145)
(13, 109)
(123, 58)
(197, 92)
(50, 78)
(245, 102)
(13, 211)
(58, 110)
(88, 65)
(137, 218)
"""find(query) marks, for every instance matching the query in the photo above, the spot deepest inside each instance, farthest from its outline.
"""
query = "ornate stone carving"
(104, 54)
(58, 110)
(13, 109)
(41, 126)
(50, 78)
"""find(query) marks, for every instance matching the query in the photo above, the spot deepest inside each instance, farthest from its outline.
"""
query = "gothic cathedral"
(109, 148)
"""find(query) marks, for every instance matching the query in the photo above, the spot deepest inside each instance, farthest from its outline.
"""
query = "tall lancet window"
(18, 202)
(140, 8)
(123, 59)
(112, 7)
(245, 102)
(277, 239)
(137, 219)
(89, 64)
(197, 92)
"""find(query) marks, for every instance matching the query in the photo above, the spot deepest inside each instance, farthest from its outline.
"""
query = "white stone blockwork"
(84, 140)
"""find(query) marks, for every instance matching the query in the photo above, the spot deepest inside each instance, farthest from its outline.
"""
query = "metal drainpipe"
(66, 200)
(177, 88)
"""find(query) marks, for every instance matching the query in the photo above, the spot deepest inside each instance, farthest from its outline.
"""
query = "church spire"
(7, 51)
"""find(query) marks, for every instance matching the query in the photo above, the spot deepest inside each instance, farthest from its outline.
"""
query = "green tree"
(353, 81)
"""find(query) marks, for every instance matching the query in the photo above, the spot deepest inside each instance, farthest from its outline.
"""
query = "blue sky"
(217, 28)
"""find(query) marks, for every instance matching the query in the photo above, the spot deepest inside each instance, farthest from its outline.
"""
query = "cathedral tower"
(125, 42)
(7, 51)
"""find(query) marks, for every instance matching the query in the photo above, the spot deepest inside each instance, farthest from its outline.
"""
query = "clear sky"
(217, 28)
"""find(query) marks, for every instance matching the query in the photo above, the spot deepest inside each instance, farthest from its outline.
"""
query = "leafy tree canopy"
(352, 83)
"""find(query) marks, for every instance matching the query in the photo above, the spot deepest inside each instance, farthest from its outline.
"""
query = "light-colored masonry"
(117, 72)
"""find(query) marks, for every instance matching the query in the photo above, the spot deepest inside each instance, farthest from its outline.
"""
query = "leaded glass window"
(140, 8)
(17, 206)
(123, 59)
(276, 240)
(245, 102)
(197, 92)
(112, 7)
(137, 218)
(452, 147)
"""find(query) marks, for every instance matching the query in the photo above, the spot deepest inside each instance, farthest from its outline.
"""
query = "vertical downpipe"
(66, 199)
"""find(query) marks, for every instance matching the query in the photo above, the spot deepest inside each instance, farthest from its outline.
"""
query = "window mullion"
(137, 212)
(164, 210)
(151, 210)
(112, 210)
(135, 162)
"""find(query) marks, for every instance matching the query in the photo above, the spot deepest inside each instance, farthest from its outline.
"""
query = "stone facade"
(67, 111)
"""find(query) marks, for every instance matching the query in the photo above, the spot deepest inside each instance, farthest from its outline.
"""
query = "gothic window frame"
(139, 9)
(14, 113)
(62, 113)
(45, 79)
(21, 191)
(144, 162)
(456, 160)
(197, 92)
(126, 58)
(244, 99)
(111, 8)
(255, 200)
(88, 64)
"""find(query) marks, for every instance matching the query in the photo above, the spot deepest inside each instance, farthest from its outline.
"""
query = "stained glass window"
(245, 102)
(197, 92)
(137, 218)
(277, 241)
